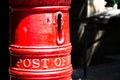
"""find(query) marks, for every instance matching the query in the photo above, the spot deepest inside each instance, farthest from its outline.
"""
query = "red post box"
(39, 40)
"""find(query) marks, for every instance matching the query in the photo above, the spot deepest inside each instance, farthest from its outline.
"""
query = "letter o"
(57, 62)
(26, 63)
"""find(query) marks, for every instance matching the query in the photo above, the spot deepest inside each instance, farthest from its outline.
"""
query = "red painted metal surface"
(40, 43)
(31, 3)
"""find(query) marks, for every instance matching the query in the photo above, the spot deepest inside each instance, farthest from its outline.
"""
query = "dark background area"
(105, 60)
(4, 40)
(105, 63)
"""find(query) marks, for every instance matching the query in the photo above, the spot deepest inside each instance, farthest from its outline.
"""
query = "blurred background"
(95, 37)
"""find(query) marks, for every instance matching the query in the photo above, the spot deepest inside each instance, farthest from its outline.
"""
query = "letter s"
(36, 63)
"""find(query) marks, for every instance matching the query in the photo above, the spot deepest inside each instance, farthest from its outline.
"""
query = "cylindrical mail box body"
(40, 43)
(32, 3)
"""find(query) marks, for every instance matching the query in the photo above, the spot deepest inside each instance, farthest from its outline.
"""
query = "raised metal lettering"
(36, 63)
(57, 62)
(26, 63)
(45, 65)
